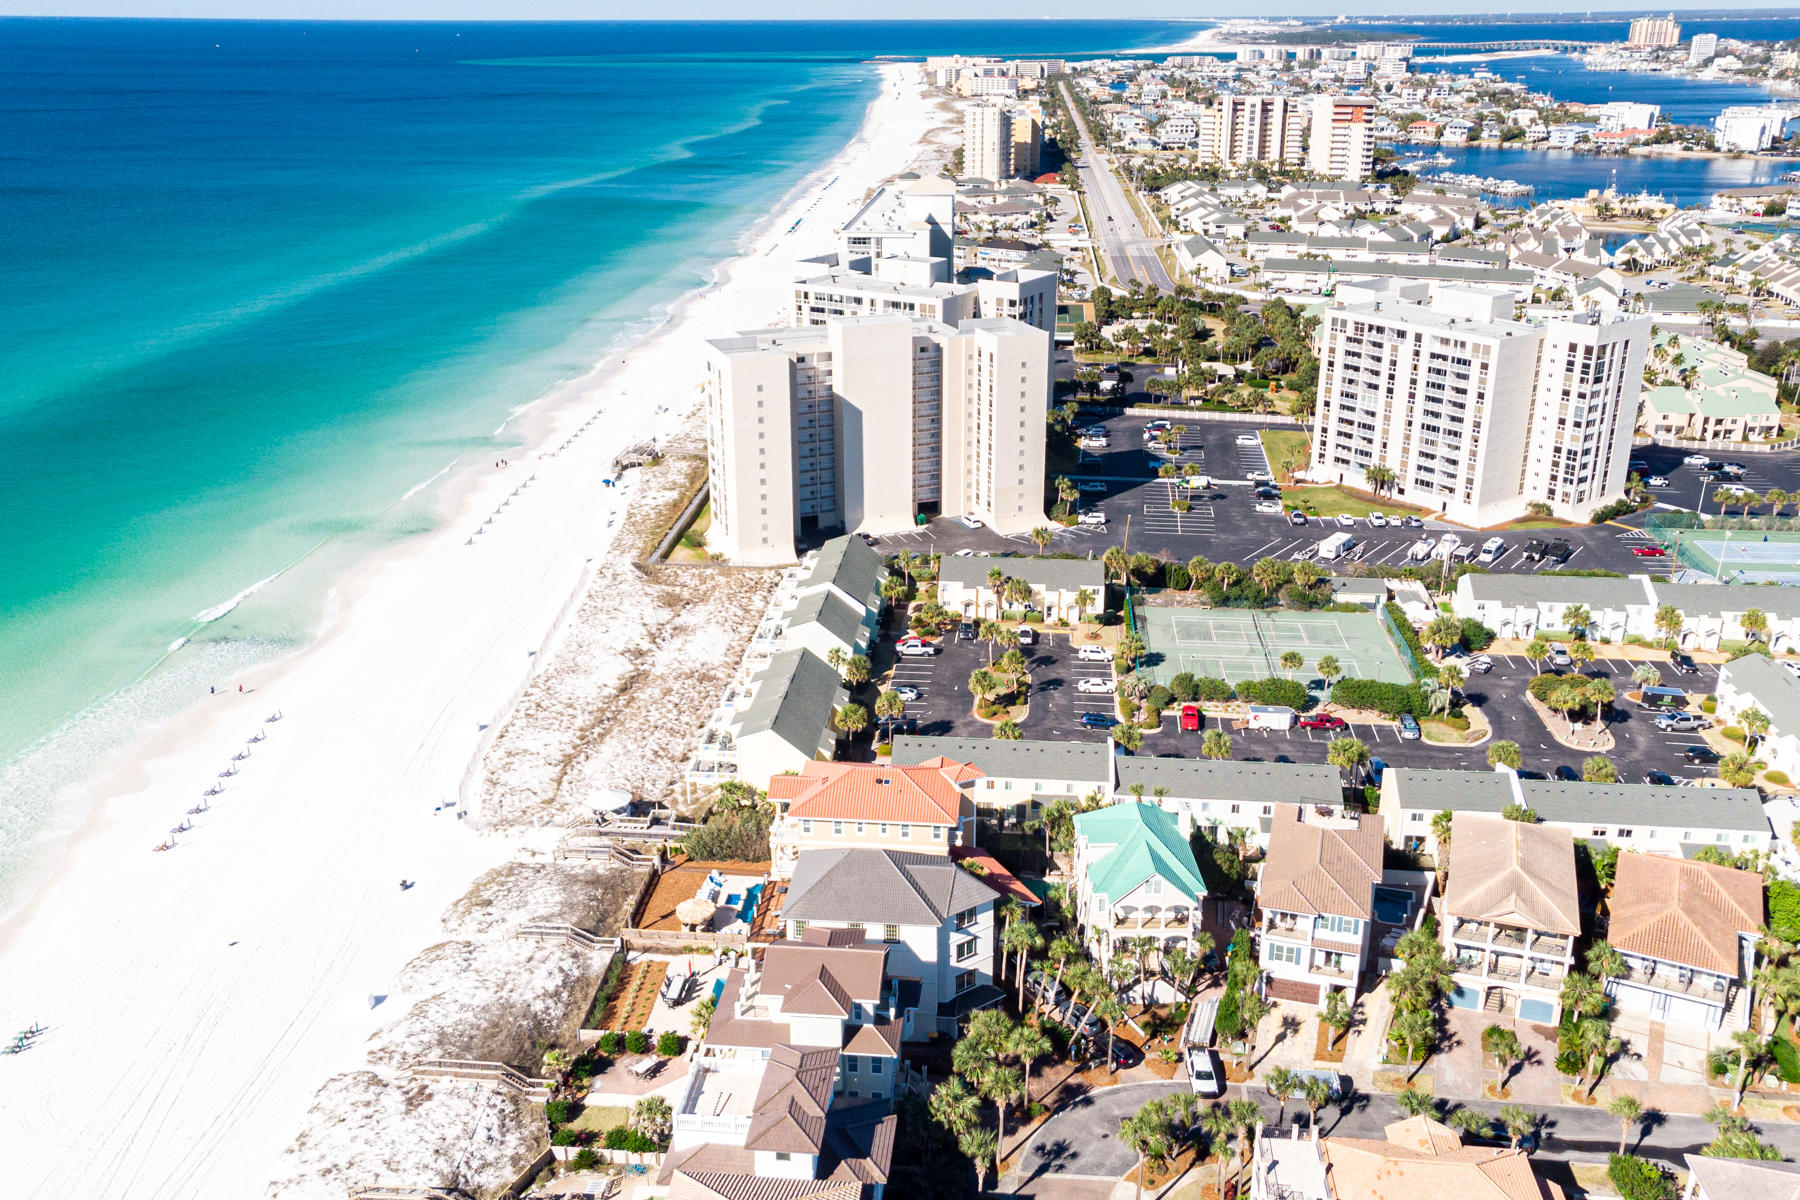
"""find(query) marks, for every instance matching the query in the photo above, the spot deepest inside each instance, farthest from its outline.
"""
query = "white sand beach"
(194, 1000)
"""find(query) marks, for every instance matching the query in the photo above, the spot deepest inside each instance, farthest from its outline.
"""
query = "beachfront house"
(786, 715)
(928, 808)
(1510, 915)
(1135, 877)
(1018, 778)
(1316, 893)
(1688, 931)
(936, 918)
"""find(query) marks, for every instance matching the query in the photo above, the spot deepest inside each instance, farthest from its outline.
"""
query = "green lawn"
(1538, 523)
(600, 1117)
(1284, 444)
(1330, 501)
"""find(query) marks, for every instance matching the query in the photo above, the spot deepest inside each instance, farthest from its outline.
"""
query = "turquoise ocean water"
(261, 281)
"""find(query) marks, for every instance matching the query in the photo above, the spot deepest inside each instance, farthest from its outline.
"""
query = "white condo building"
(987, 142)
(866, 423)
(1343, 138)
(1240, 130)
(1478, 415)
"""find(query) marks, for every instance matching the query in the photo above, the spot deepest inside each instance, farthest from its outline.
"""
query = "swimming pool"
(1393, 905)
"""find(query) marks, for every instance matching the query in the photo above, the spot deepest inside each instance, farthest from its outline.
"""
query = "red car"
(1648, 551)
(1190, 718)
(1322, 721)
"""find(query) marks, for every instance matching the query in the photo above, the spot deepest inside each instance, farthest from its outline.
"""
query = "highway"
(1129, 252)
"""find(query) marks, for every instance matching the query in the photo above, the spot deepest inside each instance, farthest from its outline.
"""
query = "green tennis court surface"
(1238, 644)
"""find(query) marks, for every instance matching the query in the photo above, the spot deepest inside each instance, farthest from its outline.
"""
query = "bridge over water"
(1522, 44)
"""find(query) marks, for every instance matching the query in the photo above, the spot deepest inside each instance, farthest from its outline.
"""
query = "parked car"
(1125, 1055)
(1409, 727)
(1491, 551)
(1559, 552)
(905, 692)
(1027, 635)
(1478, 664)
(1377, 768)
(917, 649)
(1734, 469)
(1268, 492)
(1659, 778)
(1267, 507)
(1248, 439)
(1700, 756)
(1094, 686)
(1190, 718)
(1378, 520)
(1656, 481)
(1346, 521)
(1696, 460)
(893, 727)
(1637, 464)
(1532, 550)
(1086, 485)
(1260, 477)
(1681, 722)
(1322, 721)
(1683, 664)
(969, 522)
(1094, 720)
(1559, 657)
(966, 631)
(1648, 551)
(1568, 774)
(1413, 522)
(1205, 1076)
(1296, 517)
(1094, 654)
(869, 539)
(1092, 516)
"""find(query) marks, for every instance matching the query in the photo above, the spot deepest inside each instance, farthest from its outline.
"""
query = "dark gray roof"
(1447, 271)
(1078, 761)
(842, 619)
(1249, 782)
(851, 565)
(1584, 803)
(1556, 589)
(1059, 573)
(1713, 599)
(1776, 692)
(795, 697)
(1679, 298)
(885, 887)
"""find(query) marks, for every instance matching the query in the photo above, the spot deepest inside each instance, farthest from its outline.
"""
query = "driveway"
(1082, 1139)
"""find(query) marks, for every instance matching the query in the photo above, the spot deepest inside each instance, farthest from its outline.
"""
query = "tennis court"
(1749, 555)
(1238, 644)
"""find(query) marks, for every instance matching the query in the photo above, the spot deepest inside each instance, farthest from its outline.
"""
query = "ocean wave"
(416, 488)
(175, 645)
(207, 616)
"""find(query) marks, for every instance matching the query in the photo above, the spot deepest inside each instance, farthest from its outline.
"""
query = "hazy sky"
(526, 10)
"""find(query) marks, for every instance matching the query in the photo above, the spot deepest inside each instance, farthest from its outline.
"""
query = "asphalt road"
(1128, 250)
(1081, 1141)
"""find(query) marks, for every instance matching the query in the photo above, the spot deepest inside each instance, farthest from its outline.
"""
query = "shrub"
(610, 1042)
(1787, 1060)
(668, 1043)
(1638, 1179)
(1128, 708)
(1733, 733)
(741, 835)
(1215, 691)
(1372, 695)
(1411, 636)
(1228, 1022)
(1161, 697)
(565, 1137)
(1784, 910)
(1185, 687)
(615, 972)
(637, 1042)
(1289, 692)
(1371, 797)
(1710, 705)
(1568, 1062)
(559, 1112)
(1778, 778)
(586, 1160)
(631, 1141)
(1177, 577)
(1476, 636)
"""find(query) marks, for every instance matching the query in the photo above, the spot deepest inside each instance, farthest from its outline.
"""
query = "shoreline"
(212, 988)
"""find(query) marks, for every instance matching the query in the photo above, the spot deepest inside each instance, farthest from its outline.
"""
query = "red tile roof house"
(928, 808)
(1688, 932)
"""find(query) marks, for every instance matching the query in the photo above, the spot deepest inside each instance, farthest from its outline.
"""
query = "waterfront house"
(1416, 1159)
(1510, 915)
(1316, 896)
(936, 917)
(1688, 932)
(926, 808)
(1135, 877)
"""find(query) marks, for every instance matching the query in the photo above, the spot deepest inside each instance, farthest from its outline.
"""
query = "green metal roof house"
(1135, 876)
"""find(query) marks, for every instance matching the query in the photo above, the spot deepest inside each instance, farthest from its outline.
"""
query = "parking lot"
(945, 709)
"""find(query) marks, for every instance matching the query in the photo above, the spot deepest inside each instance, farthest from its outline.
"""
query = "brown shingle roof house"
(1512, 873)
(1422, 1159)
(1320, 865)
(1682, 911)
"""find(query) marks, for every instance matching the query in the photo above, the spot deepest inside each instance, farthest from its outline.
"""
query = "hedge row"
(1372, 695)
(1188, 688)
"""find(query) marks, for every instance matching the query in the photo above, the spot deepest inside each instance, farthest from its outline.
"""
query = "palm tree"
(1246, 1118)
(1506, 1048)
(1291, 661)
(1518, 1121)
(1437, 696)
(1328, 668)
(1737, 769)
(1040, 537)
(1115, 563)
(1020, 939)
(1669, 621)
(1062, 949)
(1602, 693)
(983, 683)
(1200, 571)
(954, 1106)
(1084, 600)
(1128, 734)
(1346, 753)
(1028, 1043)
(1267, 574)
(1110, 1012)
(1752, 1055)
(1470, 1122)
(1252, 1008)
(1581, 652)
(1597, 768)
(1537, 650)
(1146, 1132)
(979, 1146)
(1756, 723)
(1504, 754)
(1605, 961)
(996, 580)
(1000, 1084)
(1443, 632)
(1416, 1027)
(1415, 1102)
(1281, 1084)
(1315, 1093)
(1215, 744)
(1595, 1042)
(835, 658)
(852, 719)
(1338, 1016)
(1217, 1123)
(1576, 618)
(1755, 622)
(1645, 675)
(1630, 1112)
(1452, 677)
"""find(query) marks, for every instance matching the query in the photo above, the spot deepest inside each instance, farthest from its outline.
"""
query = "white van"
(1271, 716)
(1335, 547)
(1491, 550)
